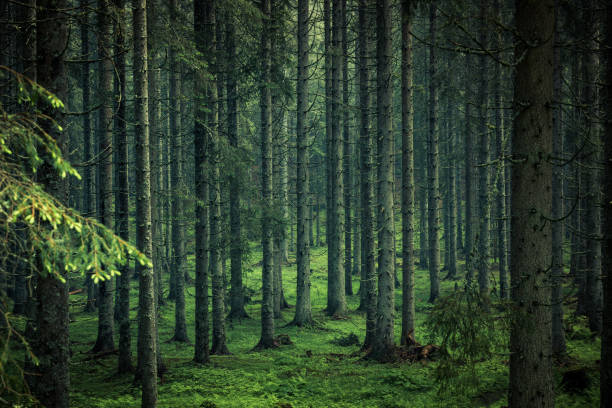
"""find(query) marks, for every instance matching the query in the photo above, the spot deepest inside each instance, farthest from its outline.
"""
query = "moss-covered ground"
(313, 372)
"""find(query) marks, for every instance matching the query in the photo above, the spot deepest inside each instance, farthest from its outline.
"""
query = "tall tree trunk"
(346, 160)
(327, 20)
(147, 315)
(469, 176)
(51, 380)
(407, 335)
(482, 259)
(558, 331)
(176, 161)
(237, 288)
(433, 206)
(219, 346)
(267, 272)
(336, 300)
(86, 206)
(451, 195)
(606, 337)
(501, 216)
(122, 195)
(592, 179)
(303, 309)
(531, 381)
(368, 272)
(105, 340)
(203, 24)
(383, 344)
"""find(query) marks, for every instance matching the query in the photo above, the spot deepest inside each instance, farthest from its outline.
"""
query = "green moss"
(313, 372)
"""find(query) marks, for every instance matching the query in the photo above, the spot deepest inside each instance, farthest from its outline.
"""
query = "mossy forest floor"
(313, 372)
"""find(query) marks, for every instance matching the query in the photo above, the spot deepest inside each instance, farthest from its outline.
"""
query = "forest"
(306, 203)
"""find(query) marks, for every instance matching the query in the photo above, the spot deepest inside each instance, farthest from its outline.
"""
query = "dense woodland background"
(292, 203)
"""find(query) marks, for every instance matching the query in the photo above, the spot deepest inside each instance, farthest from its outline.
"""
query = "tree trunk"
(531, 381)
(407, 334)
(122, 194)
(303, 309)
(346, 160)
(105, 340)
(147, 315)
(368, 272)
(606, 337)
(469, 177)
(433, 206)
(203, 24)
(482, 259)
(219, 346)
(267, 271)
(237, 288)
(51, 379)
(383, 344)
(336, 300)
(558, 331)
(593, 287)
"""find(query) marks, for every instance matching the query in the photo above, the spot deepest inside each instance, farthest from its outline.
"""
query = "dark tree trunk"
(383, 343)
(105, 340)
(237, 288)
(531, 380)
(267, 272)
(303, 309)
(203, 23)
(51, 380)
(433, 205)
(482, 259)
(408, 316)
(122, 193)
(606, 337)
(336, 300)
(346, 160)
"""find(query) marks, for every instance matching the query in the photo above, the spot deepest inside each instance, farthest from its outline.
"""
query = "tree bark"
(105, 339)
(407, 178)
(203, 23)
(433, 206)
(383, 344)
(147, 315)
(267, 271)
(51, 380)
(606, 337)
(531, 381)
(237, 289)
(122, 193)
(303, 309)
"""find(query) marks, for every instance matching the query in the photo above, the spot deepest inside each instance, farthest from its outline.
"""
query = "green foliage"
(40, 234)
(470, 331)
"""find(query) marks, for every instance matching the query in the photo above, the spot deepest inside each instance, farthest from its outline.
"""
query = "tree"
(346, 159)
(267, 272)
(237, 288)
(606, 337)
(407, 178)
(52, 347)
(105, 339)
(482, 260)
(336, 299)
(383, 343)
(368, 272)
(531, 382)
(303, 311)
(433, 164)
(147, 315)
(203, 24)
(216, 239)
(178, 236)
(122, 198)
